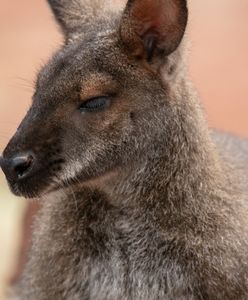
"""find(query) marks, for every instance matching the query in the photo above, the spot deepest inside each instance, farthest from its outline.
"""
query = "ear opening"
(152, 28)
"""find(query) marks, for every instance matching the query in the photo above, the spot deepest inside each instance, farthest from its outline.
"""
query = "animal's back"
(233, 152)
(233, 149)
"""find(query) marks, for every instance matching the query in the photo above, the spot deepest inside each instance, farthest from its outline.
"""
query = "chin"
(32, 189)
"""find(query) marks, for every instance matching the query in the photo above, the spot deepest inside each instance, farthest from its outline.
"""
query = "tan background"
(218, 66)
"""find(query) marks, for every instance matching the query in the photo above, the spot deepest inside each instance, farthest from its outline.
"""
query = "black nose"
(19, 166)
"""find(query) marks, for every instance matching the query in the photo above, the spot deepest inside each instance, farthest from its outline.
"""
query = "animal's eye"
(95, 104)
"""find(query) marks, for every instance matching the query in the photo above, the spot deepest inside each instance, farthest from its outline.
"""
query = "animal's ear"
(67, 14)
(73, 15)
(152, 28)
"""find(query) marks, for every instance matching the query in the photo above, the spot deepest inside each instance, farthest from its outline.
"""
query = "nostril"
(22, 165)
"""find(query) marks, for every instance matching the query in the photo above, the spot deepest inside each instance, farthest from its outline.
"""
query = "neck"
(182, 173)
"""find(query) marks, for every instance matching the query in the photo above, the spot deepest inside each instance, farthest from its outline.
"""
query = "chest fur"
(103, 256)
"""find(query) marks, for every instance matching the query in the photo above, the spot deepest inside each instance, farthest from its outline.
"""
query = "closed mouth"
(43, 181)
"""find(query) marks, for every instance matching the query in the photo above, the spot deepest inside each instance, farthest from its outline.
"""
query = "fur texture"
(140, 201)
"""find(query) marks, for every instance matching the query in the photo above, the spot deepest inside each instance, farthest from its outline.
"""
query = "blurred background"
(218, 64)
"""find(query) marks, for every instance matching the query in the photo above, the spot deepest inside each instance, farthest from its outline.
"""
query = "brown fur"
(140, 201)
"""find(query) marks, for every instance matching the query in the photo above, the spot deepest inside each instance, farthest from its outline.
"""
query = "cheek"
(115, 119)
(95, 123)
(71, 170)
(91, 133)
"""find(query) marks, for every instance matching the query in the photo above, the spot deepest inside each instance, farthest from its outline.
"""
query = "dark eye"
(95, 104)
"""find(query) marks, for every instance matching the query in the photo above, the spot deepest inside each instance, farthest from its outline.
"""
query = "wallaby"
(140, 200)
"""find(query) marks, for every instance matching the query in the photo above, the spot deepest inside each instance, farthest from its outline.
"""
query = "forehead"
(96, 52)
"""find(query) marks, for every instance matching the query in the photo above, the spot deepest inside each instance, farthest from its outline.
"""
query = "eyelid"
(95, 104)
(96, 96)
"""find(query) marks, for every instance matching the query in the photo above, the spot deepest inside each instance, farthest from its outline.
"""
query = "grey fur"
(158, 205)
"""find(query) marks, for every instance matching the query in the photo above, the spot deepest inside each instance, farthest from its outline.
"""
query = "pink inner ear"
(164, 20)
(154, 16)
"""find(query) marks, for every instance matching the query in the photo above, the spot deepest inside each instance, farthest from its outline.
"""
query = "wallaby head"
(105, 99)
